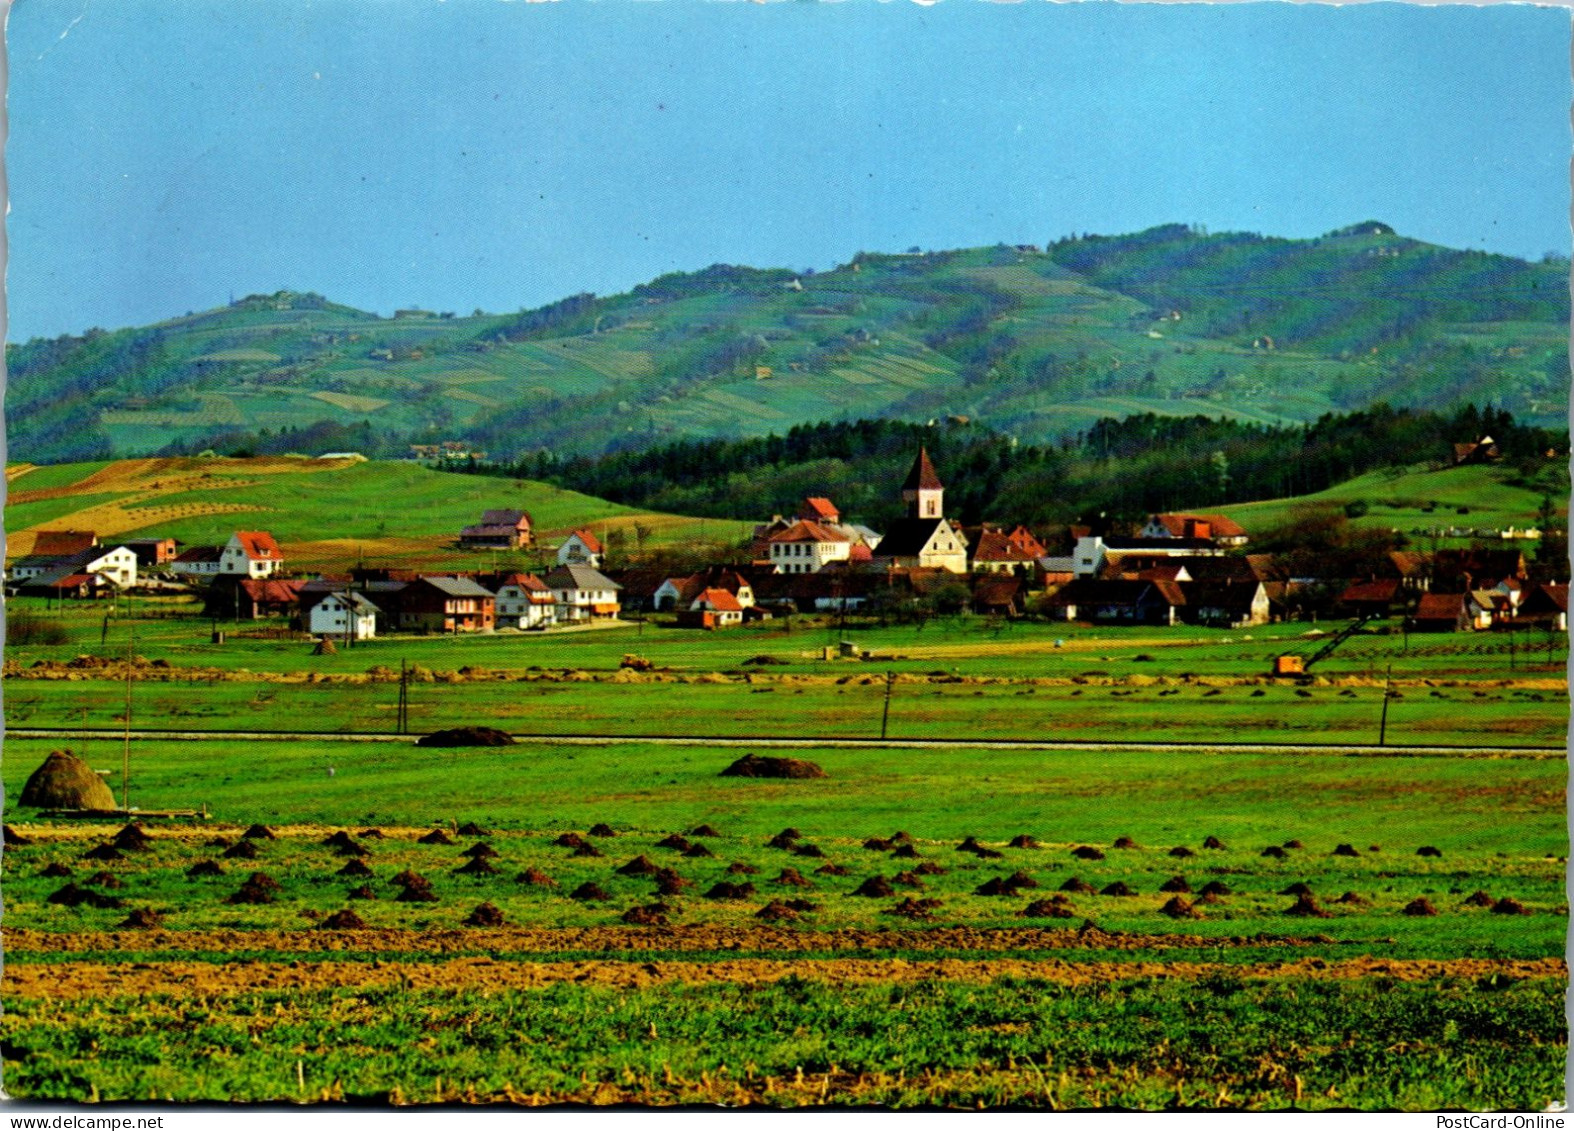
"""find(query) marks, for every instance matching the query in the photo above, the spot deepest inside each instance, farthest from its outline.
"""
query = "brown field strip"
(66, 980)
(680, 938)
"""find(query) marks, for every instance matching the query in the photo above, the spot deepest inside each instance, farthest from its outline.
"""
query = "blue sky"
(473, 153)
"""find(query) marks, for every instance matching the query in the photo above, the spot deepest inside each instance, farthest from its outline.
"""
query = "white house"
(251, 553)
(199, 563)
(722, 605)
(582, 594)
(581, 548)
(525, 601)
(344, 616)
(808, 547)
(116, 565)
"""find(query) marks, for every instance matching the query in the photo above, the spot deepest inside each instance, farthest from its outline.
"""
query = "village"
(1177, 569)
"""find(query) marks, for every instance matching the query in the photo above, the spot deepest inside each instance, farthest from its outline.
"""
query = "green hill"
(1033, 342)
(327, 514)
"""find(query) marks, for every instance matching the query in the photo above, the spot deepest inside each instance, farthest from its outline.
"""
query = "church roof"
(922, 477)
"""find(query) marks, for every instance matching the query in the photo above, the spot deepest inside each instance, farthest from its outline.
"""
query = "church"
(924, 538)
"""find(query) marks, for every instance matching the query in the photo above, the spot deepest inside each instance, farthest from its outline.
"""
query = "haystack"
(64, 781)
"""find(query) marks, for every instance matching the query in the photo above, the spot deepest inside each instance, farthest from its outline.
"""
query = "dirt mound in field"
(417, 889)
(1306, 907)
(103, 880)
(652, 915)
(995, 886)
(1179, 907)
(205, 868)
(1079, 885)
(906, 852)
(601, 828)
(56, 871)
(1421, 906)
(64, 781)
(1023, 840)
(757, 766)
(218, 842)
(478, 866)
(1216, 887)
(1428, 850)
(832, 870)
(570, 840)
(1297, 888)
(875, 844)
(1212, 842)
(1087, 852)
(355, 868)
(789, 833)
(251, 892)
(484, 915)
(370, 834)
(674, 841)
(535, 878)
(259, 832)
(1275, 851)
(1119, 887)
(589, 891)
(363, 892)
(1293, 844)
(13, 839)
(132, 839)
(436, 836)
(467, 736)
(791, 877)
(639, 866)
(345, 920)
(742, 869)
(1125, 842)
(810, 850)
(1176, 884)
(703, 830)
(697, 852)
(775, 912)
(914, 908)
(73, 896)
(241, 850)
(1479, 898)
(1056, 907)
(104, 852)
(907, 880)
(1353, 899)
(345, 845)
(1509, 906)
(929, 868)
(141, 919)
(875, 887)
(470, 828)
(586, 849)
(481, 851)
(1180, 851)
(725, 890)
(1345, 850)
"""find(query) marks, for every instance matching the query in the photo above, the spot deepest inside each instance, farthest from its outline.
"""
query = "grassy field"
(973, 1003)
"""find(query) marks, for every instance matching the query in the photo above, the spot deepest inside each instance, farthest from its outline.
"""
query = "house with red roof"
(1441, 612)
(251, 553)
(816, 508)
(497, 530)
(1215, 528)
(523, 601)
(581, 548)
(808, 547)
(713, 608)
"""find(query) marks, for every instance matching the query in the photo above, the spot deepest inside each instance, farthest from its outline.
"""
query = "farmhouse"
(525, 601)
(152, 551)
(444, 604)
(581, 548)
(996, 551)
(497, 530)
(247, 598)
(114, 567)
(713, 608)
(1231, 605)
(1441, 612)
(583, 594)
(252, 553)
(808, 547)
(1119, 602)
(199, 563)
(345, 616)
(1484, 450)
(60, 543)
(1215, 528)
(680, 592)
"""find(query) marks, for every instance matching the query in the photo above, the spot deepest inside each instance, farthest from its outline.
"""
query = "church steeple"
(923, 492)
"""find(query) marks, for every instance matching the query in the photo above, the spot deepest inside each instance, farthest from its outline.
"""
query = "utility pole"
(402, 718)
(1382, 727)
(885, 716)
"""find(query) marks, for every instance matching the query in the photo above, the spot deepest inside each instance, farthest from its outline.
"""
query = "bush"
(26, 627)
(1355, 508)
